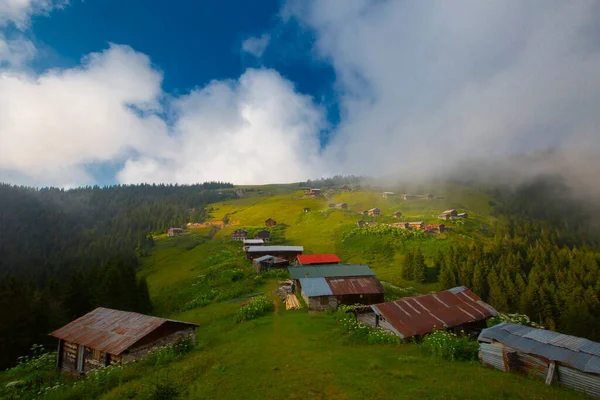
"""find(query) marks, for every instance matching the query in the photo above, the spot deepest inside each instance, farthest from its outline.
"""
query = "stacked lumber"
(292, 303)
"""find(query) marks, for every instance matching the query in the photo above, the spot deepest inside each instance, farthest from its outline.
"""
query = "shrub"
(256, 307)
(361, 332)
(448, 346)
(520, 319)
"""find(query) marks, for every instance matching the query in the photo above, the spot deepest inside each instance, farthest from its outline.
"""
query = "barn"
(458, 309)
(569, 360)
(105, 336)
(287, 252)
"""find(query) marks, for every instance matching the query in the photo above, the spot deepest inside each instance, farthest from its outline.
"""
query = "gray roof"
(315, 287)
(253, 241)
(263, 258)
(274, 249)
(579, 353)
(330, 270)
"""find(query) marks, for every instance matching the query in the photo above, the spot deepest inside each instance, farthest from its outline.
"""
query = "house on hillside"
(436, 228)
(287, 252)
(397, 214)
(327, 286)
(457, 309)
(253, 242)
(345, 188)
(264, 235)
(306, 209)
(401, 225)
(269, 262)
(238, 234)
(462, 215)
(314, 192)
(448, 214)
(571, 361)
(375, 212)
(313, 259)
(361, 223)
(416, 225)
(410, 197)
(388, 194)
(105, 337)
(270, 222)
(175, 232)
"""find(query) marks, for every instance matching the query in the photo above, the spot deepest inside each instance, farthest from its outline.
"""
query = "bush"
(361, 332)
(256, 307)
(448, 346)
(520, 319)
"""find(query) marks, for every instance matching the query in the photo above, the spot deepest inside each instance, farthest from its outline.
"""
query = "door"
(80, 358)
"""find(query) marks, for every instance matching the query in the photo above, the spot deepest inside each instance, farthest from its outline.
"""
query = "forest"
(65, 252)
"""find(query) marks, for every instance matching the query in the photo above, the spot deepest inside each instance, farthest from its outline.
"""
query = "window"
(324, 300)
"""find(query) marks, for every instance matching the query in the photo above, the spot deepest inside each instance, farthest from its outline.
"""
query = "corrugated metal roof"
(579, 353)
(274, 249)
(264, 258)
(419, 315)
(309, 259)
(328, 271)
(110, 331)
(355, 285)
(253, 241)
(315, 287)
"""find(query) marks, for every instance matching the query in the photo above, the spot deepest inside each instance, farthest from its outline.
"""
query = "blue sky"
(100, 91)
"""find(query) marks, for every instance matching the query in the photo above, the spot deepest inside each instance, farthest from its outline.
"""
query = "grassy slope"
(297, 355)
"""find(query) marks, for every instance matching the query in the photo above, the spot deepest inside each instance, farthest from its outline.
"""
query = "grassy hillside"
(294, 354)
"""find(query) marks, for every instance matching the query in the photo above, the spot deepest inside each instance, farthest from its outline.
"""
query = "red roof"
(419, 315)
(308, 259)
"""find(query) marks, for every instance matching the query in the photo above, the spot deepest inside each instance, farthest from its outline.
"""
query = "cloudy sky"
(145, 91)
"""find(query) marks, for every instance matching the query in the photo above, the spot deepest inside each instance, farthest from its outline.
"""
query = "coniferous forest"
(65, 252)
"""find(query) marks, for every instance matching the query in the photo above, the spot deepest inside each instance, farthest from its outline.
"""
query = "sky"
(106, 92)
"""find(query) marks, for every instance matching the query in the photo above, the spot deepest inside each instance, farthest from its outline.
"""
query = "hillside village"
(317, 283)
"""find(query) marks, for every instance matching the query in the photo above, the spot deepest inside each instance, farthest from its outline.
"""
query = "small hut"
(270, 222)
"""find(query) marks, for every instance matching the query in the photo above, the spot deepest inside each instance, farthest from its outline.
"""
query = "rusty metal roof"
(354, 285)
(579, 353)
(111, 331)
(419, 315)
(308, 259)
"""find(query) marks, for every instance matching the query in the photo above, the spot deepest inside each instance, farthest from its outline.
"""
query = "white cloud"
(256, 45)
(19, 12)
(16, 52)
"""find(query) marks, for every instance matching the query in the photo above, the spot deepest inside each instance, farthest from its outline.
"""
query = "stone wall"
(138, 353)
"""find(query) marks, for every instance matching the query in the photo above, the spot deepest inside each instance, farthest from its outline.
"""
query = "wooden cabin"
(375, 212)
(239, 234)
(270, 222)
(397, 214)
(264, 235)
(361, 223)
(437, 228)
(289, 253)
(268, 262)
(175, 232)
(416, 225)
(105, 337)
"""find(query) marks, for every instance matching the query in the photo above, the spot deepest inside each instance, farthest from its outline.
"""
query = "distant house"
(268, 262)
(270, 222)
(105, 337)
(361, 223)
(310, 259)
(238, 234)
(463, 215)
(175, 232)
(397, 214)
(438, 228)
(416, 225)
(327, 286)
(345, 188)
(375, 212)
(306, 209)
(343, 206)
(388, 194)
(448, 214)
(365, 212)
(410, 197)
(264, 235)
(287, 252)
(571, 361)
(429, 197)
(457, 309)
(253, 242)
(314, 192)
(401, 225)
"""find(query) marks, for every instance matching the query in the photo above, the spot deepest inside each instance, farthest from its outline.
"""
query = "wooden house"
(401, 225)
(361, 223)
(448, 214)
(270, 222)
(457, 309)
(397, 214)
(238, 234)
(437, 228)
(375, 212)
(416, 225)
(268, 262)
(175, 232)
(571, 361)
(314, 192)
(345, 188)
(327, 286)
(264, 235)
(289, 253)
(105, 336)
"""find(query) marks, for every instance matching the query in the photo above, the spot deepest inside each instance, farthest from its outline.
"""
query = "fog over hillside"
(424, 89)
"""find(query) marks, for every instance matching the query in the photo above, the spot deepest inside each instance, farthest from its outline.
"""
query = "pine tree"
(419, 267)
(408, 267)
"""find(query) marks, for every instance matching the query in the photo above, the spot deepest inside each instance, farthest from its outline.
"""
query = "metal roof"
(111, 331)
(330, 270)
(315, 287)
(579, 353)
(355, 285)
(253, 241)
(419, 315)
(308, 259)
(264, 258)
(274, 249)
